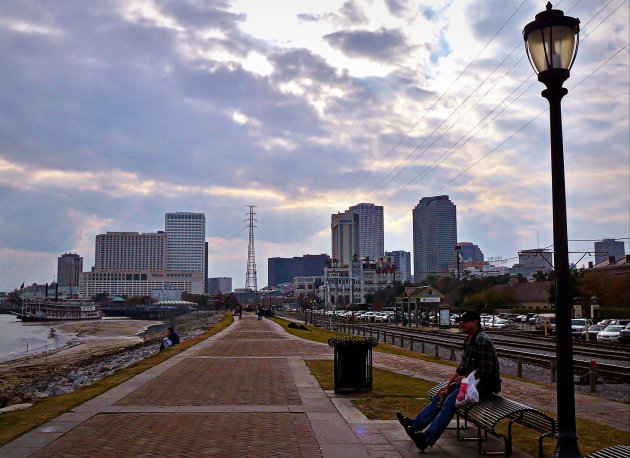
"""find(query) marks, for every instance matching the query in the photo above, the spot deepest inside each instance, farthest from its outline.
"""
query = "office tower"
(357, 231)
(69, 266)
(222, 284)
(345, 236)
(130, 251)
(310, 265)
(371, 233)
(279, 270)
(607, 248)
(185, 242)
(402, 260)
(434, 236)
(470, 252)
(283, 270)
(536, 259)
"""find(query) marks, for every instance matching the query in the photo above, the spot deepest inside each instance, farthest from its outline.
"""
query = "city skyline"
(115, 115)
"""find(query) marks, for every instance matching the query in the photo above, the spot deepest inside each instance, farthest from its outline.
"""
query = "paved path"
(243, 392)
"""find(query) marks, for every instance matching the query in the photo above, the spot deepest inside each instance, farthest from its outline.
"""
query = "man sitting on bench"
(478, 355)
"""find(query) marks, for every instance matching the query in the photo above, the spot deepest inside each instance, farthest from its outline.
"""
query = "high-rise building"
(279, 270)
(358, 231)
(470, 252)
(535, 259)
(222, 284)
(345, 236)
(185, 242)
(434, 236)
(130, 251)
(69, 266)
(310, 265)
(283, 270)
(402, 260)
(607, 248)
(371, 230)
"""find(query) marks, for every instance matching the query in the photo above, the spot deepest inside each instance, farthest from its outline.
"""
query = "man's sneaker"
(418, 438)
(405, 421)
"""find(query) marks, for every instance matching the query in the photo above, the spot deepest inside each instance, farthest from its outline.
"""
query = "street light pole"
(551, 42)
(457, 250)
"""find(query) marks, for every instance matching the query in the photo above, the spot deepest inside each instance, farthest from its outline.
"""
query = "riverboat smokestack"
(46, 296)
(56, 291)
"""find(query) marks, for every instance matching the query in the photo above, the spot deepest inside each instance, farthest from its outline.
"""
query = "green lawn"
(322, 335)
(394, 392)
(16, 423)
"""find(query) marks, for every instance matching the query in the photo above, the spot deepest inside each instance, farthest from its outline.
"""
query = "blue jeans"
(436, 418)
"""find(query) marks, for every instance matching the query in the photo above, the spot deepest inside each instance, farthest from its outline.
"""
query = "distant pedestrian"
(172, 338)
(479, 356)
(240, 312)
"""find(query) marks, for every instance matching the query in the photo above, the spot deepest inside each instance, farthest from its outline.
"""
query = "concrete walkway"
(243, 392)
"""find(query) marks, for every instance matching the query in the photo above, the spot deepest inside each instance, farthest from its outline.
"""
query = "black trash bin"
(353, 363)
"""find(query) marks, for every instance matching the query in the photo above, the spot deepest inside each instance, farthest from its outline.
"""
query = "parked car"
(578, 325)
(496, 323)
(531, 317)
(610, 334)
(624, 336)
(605, 322)
(592, 332)
(549, 318)
(619, 322)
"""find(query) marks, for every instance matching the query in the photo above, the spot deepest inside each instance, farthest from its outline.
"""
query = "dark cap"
(171, 328)
(471, 315)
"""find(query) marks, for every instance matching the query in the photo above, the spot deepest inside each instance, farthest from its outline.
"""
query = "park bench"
(487, 414)
(617, 451)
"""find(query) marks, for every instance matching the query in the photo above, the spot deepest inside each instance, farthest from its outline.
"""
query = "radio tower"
(250, 279)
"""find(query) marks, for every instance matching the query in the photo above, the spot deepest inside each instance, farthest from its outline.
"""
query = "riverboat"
(58, 310)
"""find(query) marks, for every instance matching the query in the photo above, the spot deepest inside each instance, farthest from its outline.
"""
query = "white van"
(549, 318)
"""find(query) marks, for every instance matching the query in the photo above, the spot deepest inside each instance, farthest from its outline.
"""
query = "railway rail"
(418, 339)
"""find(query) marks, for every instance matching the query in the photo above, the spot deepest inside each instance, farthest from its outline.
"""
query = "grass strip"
(395, 392)
(322, 335)
(14, 424)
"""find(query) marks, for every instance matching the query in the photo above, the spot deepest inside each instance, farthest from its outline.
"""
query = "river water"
(19, 339)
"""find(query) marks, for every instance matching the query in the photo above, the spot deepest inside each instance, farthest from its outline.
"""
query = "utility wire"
(431, 107)
(420, 176)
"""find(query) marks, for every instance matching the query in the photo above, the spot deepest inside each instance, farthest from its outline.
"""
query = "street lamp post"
(551, 42)
(458, 248)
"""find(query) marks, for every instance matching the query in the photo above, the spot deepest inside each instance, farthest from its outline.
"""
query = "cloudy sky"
(115, 112)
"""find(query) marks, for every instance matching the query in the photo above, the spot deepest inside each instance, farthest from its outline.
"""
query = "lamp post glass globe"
(552, 40)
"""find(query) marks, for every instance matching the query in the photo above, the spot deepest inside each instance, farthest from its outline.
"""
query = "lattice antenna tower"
(250, 279)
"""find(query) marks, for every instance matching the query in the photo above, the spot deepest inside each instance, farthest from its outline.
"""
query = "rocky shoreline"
(42, 381)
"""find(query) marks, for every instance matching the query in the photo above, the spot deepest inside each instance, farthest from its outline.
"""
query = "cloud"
(114, 114)
(364, 43)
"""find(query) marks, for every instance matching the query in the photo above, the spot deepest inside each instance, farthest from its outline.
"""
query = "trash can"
(353, 363)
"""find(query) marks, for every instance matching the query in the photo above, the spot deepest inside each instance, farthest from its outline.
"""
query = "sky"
(116, 112)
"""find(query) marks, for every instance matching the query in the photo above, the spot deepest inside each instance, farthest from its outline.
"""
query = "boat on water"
(47, 310)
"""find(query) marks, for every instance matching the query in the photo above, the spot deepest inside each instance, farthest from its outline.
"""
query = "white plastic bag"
(166, 342)
(468, 393)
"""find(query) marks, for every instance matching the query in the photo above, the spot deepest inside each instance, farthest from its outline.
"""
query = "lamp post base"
(567, 446)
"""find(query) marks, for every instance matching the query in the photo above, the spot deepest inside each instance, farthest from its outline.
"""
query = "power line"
(420, 176)
(432, 106)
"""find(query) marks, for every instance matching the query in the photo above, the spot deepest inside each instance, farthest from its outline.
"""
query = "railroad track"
(445, 339)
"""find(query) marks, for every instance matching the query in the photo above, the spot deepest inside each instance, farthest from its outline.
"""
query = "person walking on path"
(479, 356)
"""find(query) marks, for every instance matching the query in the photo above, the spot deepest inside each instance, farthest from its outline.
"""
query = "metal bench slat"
(617, 451)
(490, 411)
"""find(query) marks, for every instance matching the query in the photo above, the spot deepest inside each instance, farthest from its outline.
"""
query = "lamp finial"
(549, 5)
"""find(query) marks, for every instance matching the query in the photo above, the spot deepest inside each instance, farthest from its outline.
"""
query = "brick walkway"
(243, 392)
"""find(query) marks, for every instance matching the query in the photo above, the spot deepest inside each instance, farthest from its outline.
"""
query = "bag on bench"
(468, 393)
